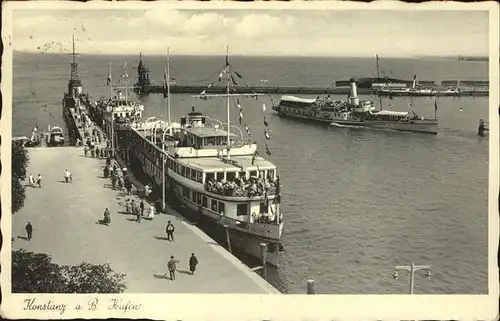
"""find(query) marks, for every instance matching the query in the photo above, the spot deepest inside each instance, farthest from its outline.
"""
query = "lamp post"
(166, 131)
(147, 120)
(412, 269)
(159, 122)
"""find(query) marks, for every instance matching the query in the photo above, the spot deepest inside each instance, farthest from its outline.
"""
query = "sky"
(359, 33)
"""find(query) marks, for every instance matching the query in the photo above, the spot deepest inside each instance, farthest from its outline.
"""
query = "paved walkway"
(64, 218)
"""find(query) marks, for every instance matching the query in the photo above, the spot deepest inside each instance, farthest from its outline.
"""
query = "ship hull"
(240, 241)
(418, 126)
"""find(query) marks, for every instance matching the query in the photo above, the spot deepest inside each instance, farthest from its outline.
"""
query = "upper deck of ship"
(235, 163)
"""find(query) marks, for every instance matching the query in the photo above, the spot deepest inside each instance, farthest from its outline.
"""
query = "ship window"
(194, 195)
(219, 176)
(230, 176)
(199, 177)
(221, 208)
(183, 171)
(185, 192)
(242, 174)
(209, 177)
(188, 172)
(270, 174)
(253, 173)
(263, 208)
(211, 141)
(242, 209)
(214, 205)
(194, 174)
(217, 141)
(198, 198)
(261, 174)
(204, 201)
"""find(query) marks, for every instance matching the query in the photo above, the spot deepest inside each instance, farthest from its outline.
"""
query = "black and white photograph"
(337, 156)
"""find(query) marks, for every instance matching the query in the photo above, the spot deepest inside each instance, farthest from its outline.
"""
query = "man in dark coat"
(29, 230)
(170, 231)
(193, 261)
(141, 205)
(171, 265)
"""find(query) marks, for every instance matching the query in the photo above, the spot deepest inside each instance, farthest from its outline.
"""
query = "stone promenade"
(64, 218)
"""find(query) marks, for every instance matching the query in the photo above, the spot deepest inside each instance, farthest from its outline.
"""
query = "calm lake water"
(356, 202)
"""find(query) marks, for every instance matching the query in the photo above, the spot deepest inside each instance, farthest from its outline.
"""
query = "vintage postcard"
(250, 161)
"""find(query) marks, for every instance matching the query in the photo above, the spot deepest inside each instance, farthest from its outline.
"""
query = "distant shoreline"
(459, 58)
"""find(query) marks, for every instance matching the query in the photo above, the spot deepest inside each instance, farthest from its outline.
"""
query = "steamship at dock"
(354, 113)
(206, 168)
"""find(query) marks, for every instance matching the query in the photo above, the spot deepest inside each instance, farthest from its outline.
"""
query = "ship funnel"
(354, 100)
(196, 119)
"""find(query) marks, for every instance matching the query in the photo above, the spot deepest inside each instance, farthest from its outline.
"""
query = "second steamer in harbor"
(354, 112)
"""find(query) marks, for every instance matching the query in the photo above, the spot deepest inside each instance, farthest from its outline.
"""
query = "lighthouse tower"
(74, 84)
(143, 82)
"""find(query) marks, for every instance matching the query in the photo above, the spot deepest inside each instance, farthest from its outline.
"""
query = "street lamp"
(163, 166)
(147, 120)
(159, 122)
(412, 269)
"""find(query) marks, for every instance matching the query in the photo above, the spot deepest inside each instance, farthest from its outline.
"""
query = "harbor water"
(356, 202)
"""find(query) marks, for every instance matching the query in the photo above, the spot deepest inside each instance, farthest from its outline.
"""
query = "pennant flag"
(210, 85)
(238, 75)
(220, 76)
(241, 118)
(109, 80)
(248, 130)
(268, 152)
(409, 105)
(266, 134)
(227, 60)
(265, 122)
(264, 107)
(234, 81)
(238, 103)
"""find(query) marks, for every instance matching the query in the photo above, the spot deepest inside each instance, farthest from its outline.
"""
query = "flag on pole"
(238, 75)
(108, 82)
(268, 152)
(266, 134)
(234, 81)
(265, 122)
(241, 117)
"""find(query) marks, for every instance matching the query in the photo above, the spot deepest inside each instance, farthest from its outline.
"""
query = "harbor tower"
(74, 84)
(144, 81)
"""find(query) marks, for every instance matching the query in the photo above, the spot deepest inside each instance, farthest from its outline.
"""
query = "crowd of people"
(242, 187)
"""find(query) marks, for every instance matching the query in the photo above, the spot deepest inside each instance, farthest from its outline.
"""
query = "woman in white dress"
(151, 212)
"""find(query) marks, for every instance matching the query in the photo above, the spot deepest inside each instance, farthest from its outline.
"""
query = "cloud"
(256, 32)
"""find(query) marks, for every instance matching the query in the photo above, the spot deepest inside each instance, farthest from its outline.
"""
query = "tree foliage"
(35, 273)
(20, 160)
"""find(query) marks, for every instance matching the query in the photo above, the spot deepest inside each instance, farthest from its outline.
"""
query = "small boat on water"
(354, 113)
(56, 137)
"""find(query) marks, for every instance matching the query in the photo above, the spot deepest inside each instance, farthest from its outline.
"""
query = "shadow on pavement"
(22, 238)
(100, 222)
(184, 272)
(161, 276)
(161, 238)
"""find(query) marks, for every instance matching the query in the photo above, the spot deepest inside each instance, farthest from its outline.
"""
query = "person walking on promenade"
(39, 181)
(151, 214)
(136, 211)
(66, 176)
(97, 152)
(170, 231)
(172, 267)
(141, 206)
(86, 150)
(113, 180)
(128, 186)
(107, 217)
(29, 230)
(127, 206)
(193, 261)
(31, 181)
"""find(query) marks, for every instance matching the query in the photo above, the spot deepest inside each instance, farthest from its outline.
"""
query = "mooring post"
(228, 239)
(310, 286)
(263, 252)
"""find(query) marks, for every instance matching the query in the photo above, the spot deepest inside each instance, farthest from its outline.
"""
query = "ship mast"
(168, 89)
(228, 73)
(228, 95)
